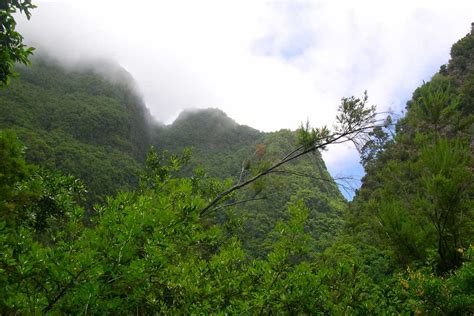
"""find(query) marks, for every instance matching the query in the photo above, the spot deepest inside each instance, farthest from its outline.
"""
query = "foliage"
(354, 120)
(416, 198)
(12, 49)
(79, 123)
(76, 122)
(220, 146)
(289, 244)
(415, 204)
(150, 253)
(425, 293)
(433, 213)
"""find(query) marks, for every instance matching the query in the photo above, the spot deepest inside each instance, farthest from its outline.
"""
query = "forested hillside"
(248, 222)
(78, 122)
(223, 149)
(87, 121)
(415, 204)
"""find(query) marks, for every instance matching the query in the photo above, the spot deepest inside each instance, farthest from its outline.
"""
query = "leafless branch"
(335, 138)
(239, 202)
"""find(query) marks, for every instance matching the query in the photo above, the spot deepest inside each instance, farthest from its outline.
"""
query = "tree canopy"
(12, 49)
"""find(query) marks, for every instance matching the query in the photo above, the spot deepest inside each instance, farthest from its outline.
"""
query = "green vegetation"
(12, 49)
(223, 149)
(415, 203)
(170, 234)
(77, 122)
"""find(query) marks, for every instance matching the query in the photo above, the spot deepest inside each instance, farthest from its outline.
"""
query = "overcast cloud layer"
(267, 64)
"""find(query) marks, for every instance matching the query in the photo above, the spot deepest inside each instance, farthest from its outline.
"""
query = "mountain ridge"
(99, 130)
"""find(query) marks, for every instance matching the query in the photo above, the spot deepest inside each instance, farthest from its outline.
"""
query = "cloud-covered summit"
(267, 64)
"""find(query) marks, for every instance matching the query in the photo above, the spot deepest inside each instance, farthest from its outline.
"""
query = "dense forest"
(105, 211)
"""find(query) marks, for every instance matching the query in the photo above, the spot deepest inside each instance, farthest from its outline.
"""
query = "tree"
(418, 188)
(448, 185)
(355, 119)
(12, 49)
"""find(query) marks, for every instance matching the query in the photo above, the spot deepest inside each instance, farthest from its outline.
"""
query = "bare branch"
(332, 139)
(354, 121)
(239, 202)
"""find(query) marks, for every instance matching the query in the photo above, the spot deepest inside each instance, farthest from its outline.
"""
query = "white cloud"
(268, 64)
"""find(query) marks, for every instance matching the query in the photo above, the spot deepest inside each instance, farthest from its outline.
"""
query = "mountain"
(222, 147)
(218, 143)
(87, 120)
(79, 122)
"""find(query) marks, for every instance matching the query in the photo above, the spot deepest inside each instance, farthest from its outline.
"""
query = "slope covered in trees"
(415, 203)
(79, 123)
(225, 149)
(88, 122)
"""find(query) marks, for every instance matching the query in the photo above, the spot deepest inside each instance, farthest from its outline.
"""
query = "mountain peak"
(208, 116)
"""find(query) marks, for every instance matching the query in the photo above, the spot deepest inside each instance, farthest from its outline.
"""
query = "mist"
(267, 64)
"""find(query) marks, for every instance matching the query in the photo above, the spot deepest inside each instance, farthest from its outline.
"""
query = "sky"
(267, 64)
